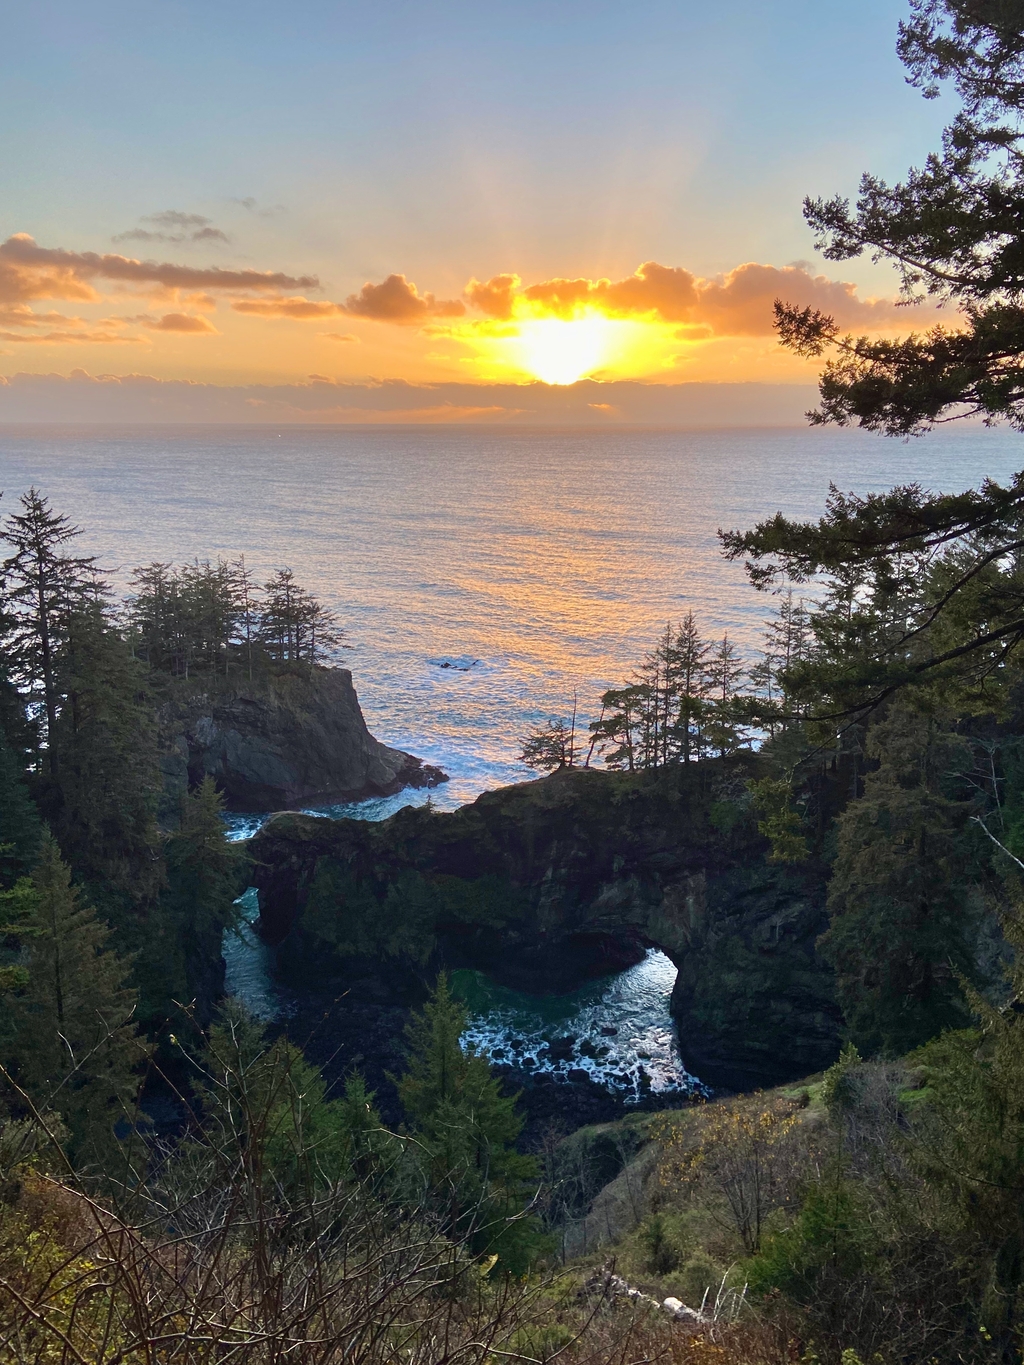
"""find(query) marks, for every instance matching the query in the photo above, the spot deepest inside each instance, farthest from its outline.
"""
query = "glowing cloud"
(398, 300)
(301, 308)
(182, 322)
(28, 271)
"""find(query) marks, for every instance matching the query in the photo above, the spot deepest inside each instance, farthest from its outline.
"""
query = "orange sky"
(112, 312)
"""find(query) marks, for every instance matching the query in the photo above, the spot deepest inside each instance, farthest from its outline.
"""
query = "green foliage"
(69, 1028)
(900, 937)
(466, 1129)
(781, 825)
(831, 1238)
(103, 801)
(682, 706)
(970, 1137)
(21, 830)
(549, 747)
(208, 618)
(267, 1107)
(661, 1249)
(356, 918)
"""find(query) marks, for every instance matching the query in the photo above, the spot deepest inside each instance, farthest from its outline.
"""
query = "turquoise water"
(623, 1036)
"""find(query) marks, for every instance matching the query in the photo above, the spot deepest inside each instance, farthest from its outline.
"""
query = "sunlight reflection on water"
(550, 559)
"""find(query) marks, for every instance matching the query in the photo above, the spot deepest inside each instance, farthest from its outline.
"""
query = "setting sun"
(560, 352)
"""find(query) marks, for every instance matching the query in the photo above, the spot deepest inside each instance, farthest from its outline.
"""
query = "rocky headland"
(547, 883)
(289, 737)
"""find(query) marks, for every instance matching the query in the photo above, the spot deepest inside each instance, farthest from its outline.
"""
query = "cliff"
(545, 883)
(288, 738)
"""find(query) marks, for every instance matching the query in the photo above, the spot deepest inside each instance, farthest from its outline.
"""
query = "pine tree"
(724, 674)
(204, 878)
(690, 658)
(467, 1128)
(102, 809)
(45, 586)
(899, 897)
(21, 830)
(70, 1028)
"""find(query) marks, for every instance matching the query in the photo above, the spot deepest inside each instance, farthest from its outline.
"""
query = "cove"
(615, 1032)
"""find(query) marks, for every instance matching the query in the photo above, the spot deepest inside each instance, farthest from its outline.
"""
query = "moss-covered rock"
(547, 882)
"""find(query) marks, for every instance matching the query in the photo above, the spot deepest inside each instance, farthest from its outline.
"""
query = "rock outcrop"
(289, 738)
(547, 882)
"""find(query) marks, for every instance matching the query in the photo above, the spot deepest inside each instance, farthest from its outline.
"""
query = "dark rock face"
(288, 739)
(554, 880)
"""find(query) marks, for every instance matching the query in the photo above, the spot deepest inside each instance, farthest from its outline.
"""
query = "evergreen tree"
(204, 879)
(294, 625)
(951, 229)
(691, 671)
(266, 1107)
(45, 585)
(969, 1140)
(21, 830)
(901, 919)
(721, 730)
(551, 746)
(70, 1027)
(102, 808)
(467, 1129)
(617, 732)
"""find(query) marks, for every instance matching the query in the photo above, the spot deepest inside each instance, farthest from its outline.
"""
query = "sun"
(561, 352)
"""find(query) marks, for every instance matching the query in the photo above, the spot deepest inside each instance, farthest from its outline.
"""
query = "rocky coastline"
(286, 738)
(546, 884)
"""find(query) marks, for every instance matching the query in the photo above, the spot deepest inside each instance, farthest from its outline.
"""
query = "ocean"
(532, 563)
(482, 576)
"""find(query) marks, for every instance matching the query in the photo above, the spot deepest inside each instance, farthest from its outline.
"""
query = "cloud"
(738, 303)
(339, 336)
(182, 322)
(396, 299)
(174, 226)
(29, 271)
(61, 338)
(496, 296)
(251, 206)
(21, 315)
(301, 308)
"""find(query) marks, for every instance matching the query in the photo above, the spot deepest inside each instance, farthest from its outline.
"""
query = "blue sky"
(444, 141)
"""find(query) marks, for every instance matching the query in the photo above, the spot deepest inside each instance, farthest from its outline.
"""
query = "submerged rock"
(291, 737)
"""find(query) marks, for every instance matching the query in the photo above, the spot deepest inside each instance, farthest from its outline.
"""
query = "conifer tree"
(690, 659)
(103, 807)
(551, 746)
(204, 878)
(724, 674)
(900, 902)
(70, 1027)
(617, 732)
(467, 1128)
(45, 586)
(21, 830)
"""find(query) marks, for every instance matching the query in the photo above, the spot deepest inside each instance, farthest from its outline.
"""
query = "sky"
(253, 205)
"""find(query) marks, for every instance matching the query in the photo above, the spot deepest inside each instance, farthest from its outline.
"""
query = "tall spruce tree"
(902, 920)
(70, 1027)
(21, 829)
(467, 1129)
(45, 586)
(102, 806)
(951, 228)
